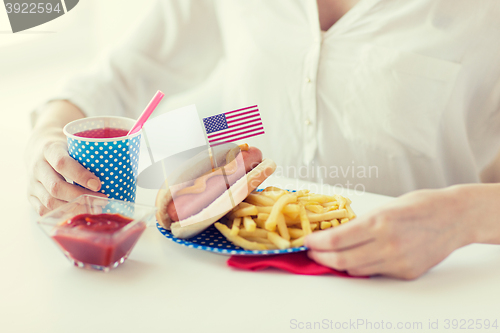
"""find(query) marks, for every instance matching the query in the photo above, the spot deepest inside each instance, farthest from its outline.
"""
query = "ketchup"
(97, 239)
(103, 133)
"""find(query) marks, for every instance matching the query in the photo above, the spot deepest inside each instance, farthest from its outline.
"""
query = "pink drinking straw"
(146, 113)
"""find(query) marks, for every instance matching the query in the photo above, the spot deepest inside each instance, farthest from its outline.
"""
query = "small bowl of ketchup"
(97, 233)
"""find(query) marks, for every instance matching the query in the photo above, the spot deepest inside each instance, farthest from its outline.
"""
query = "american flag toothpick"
(233, 125)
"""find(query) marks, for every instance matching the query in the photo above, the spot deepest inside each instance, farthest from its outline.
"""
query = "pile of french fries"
(279, 219)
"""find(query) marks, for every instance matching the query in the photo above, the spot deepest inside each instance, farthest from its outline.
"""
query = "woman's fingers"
(347, 235)
(56, 185)
(49, 189)
(375, 268)
(358, 256)
(48, 201)
(37, 205)
(365, 260)
(57, 156)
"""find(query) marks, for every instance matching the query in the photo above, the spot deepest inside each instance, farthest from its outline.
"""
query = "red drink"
(97, 239)
(103, 133)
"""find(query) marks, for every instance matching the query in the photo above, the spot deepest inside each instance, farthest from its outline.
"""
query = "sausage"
(252, 158)
(194, 203)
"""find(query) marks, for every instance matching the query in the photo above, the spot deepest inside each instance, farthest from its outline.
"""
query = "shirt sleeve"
(174, 49)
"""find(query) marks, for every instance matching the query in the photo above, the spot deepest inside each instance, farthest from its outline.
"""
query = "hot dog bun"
(217, 208)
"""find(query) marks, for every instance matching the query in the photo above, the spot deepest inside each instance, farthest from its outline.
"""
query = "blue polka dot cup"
(114, 160)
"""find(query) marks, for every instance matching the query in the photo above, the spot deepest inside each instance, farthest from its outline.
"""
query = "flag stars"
(215, 123)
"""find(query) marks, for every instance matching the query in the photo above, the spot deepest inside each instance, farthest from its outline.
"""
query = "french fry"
(304, 221)
(320, 198)
(302, 193)
(297, 242)
(308, 202)
(292, 222)
(260, 200)
(295, 233)
(277, 240)
(264, 209)
(272, 191)
(262, 233)
(313, 217)
(334, 214)
(350, 212)
(282, 228)
(271, 228)
(259, 240)
(247, 211)
(291, 210)
(249, 224)
(239, 241)
(261, 219)
(279, 219)
(236, 226)
(342, 201)
(274, 195)
(325, 225)
(315, 208)
(277, 208)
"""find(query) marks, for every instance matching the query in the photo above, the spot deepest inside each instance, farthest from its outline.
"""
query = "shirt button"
(307, 122)
(308, 80)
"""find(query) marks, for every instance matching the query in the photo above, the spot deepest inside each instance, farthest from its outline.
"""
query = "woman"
(409, 87)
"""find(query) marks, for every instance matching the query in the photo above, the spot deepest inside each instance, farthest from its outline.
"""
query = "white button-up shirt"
(397, 95)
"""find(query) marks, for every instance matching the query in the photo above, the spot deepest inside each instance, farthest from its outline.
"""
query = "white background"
(32, 62)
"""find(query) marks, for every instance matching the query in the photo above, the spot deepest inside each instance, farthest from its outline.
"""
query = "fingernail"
(93, 185)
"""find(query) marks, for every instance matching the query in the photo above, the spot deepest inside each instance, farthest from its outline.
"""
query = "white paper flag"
(174, 132)
(167, 141)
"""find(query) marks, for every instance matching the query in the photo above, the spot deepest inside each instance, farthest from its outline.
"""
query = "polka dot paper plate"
(213, 241)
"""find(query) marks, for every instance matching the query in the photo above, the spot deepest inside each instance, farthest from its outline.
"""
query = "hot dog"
(192, 203)
(205, 199)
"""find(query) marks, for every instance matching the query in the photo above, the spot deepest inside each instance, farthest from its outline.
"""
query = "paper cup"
(113, 160)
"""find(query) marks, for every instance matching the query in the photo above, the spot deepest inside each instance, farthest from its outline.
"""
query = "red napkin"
(297, 263)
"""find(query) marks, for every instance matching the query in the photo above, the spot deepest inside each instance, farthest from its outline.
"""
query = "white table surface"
(165, 287)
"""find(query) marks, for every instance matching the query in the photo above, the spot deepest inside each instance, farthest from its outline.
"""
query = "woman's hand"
(411, 234)
(49, 164)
